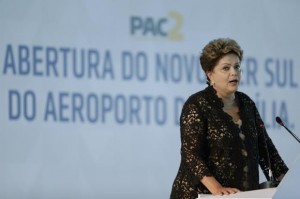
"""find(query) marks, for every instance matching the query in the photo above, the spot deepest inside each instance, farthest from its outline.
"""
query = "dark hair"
(216, 49)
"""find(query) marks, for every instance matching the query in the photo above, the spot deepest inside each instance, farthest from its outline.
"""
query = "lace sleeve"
(193, 141)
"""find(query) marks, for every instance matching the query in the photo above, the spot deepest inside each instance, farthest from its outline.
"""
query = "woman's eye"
(226, 68)
(237, 67)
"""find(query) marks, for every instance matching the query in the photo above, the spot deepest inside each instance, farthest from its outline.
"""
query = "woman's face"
(226, 75)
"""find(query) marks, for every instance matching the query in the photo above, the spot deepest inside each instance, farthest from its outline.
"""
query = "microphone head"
(279, 121)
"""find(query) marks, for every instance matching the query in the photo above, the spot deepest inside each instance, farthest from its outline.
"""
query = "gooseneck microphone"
(280, 122)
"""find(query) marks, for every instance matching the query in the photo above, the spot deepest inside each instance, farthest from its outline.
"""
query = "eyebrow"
(237, 63)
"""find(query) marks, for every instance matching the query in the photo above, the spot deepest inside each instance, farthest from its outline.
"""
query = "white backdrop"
(91, 91)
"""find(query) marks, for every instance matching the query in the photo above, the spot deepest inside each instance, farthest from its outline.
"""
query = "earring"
(212, 83)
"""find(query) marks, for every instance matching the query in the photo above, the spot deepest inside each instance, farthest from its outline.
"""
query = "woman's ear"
(210, 79)
(208, 74)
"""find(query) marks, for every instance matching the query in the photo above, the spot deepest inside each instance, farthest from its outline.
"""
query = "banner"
(92, 91)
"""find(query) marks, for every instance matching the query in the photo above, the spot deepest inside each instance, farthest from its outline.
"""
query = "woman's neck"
(228, 101)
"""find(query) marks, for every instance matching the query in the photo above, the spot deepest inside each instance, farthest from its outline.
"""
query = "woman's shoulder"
(244, 97)
(202, 97)
(197, 95)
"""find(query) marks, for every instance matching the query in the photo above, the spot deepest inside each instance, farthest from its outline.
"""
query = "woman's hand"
(280, 177)
(225, 191)
(216, 188)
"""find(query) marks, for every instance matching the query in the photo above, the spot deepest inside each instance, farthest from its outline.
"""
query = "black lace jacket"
(212, 144)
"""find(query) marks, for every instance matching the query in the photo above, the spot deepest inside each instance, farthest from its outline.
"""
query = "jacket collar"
(213, 97)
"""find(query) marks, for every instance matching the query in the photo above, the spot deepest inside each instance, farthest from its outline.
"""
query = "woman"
(222, 134)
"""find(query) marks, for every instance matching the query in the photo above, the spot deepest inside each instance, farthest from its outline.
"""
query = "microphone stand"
(271, 183)
(268, 184)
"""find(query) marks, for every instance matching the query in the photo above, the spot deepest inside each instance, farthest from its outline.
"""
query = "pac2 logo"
(168, 28)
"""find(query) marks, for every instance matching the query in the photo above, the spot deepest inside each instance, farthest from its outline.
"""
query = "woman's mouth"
(234, 81)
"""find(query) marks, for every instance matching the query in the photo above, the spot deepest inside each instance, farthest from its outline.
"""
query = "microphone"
(280, 122)
(271, 183)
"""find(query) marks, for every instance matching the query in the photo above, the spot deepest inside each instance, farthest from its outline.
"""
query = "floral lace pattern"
(212, 144)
